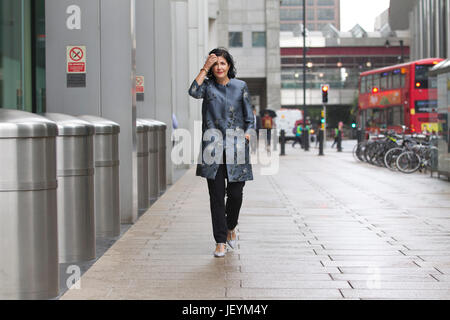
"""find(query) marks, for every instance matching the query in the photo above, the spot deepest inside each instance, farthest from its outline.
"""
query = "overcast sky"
(362, 12)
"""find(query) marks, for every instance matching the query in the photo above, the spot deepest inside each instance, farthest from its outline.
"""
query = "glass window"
(363, 85)
(258, 38)
(22, 55)
(291, 14)
(292, 2)
(402, 80)
(396, 79)
(235, 39)
(325, 2)
(379, 117)
(384, 81)
(395, 116)
(325, 14)
(376, 81)
(421, 80)
(369, 83)
(296, 2)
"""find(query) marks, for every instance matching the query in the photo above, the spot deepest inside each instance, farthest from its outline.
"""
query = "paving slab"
(321, 228)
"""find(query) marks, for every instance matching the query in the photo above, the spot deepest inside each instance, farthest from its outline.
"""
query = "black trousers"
(224, 215)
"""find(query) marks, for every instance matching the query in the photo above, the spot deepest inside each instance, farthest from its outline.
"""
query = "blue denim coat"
(225, 107)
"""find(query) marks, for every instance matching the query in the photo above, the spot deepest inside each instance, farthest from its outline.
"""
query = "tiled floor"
(322, 228)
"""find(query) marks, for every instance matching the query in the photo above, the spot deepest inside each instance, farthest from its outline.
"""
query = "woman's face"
(220, 68)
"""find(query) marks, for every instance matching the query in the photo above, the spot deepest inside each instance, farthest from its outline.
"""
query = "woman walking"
(226, 105)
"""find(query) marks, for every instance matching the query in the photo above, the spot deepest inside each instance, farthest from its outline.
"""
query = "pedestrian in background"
(339, 136)
(298, 136)
(267, 123)
(226, 105)
(257, 120)
(336, 133)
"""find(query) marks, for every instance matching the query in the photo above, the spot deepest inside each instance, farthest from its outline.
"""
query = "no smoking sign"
(76, 59)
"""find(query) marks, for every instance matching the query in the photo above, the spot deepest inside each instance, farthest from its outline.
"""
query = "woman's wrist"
(204, 69)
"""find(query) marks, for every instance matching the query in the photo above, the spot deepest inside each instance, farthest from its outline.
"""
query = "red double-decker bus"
(399, 97)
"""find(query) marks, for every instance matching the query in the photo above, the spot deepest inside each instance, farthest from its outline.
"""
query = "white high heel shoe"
(232, 243)
(219, 254)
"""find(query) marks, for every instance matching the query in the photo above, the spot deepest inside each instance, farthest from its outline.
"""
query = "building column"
(447, 27)
(106, 29)
(273, 62)
(164, 74)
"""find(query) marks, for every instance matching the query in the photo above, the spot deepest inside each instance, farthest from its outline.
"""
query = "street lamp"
(306, 145)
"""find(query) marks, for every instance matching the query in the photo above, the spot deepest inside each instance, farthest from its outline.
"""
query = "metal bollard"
(75, 171)
(28, 211)
(306, 139)
(142, 153)
(282, 143)
(161, 136)
(359, 135)
(321, 135)
(106, 178)
(153, 175)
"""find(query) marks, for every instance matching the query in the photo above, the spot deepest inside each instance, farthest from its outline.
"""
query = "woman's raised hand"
(212, 59)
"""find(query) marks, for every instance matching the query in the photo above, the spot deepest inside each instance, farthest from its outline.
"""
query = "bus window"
(395, 116)
(363, 85)
(379, 118)
(369, 83)
(368, 119)
(402, 80)
(376, 81)
(421, 80)
(396, 79)
(384, 83)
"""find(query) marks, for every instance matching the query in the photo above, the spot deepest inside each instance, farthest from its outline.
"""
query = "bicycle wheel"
(408, 162)
(369, 152)
(360, 151)
(390, 158)
(355, 150)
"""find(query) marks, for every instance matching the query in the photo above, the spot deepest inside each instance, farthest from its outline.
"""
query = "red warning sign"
(140, 87)
(76, 59)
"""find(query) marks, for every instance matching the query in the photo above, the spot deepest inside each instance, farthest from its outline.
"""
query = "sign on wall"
(76, 66)
(140, 88)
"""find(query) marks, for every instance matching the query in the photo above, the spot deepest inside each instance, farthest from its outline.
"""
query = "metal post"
(402, 59)
(325, 125)
(359, 135)
(321, 142)
(304, 69)
(282, 142)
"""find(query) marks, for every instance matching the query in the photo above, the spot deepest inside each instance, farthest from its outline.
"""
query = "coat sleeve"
(197, 91)
(249, 119)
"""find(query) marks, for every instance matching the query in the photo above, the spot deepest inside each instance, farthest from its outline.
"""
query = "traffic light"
(322, 120)
(325, 88)
(353, 125)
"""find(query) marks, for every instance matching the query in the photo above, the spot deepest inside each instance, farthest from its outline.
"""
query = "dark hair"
(222, 52)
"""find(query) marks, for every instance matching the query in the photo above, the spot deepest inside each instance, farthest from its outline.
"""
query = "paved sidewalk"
(322, 228)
